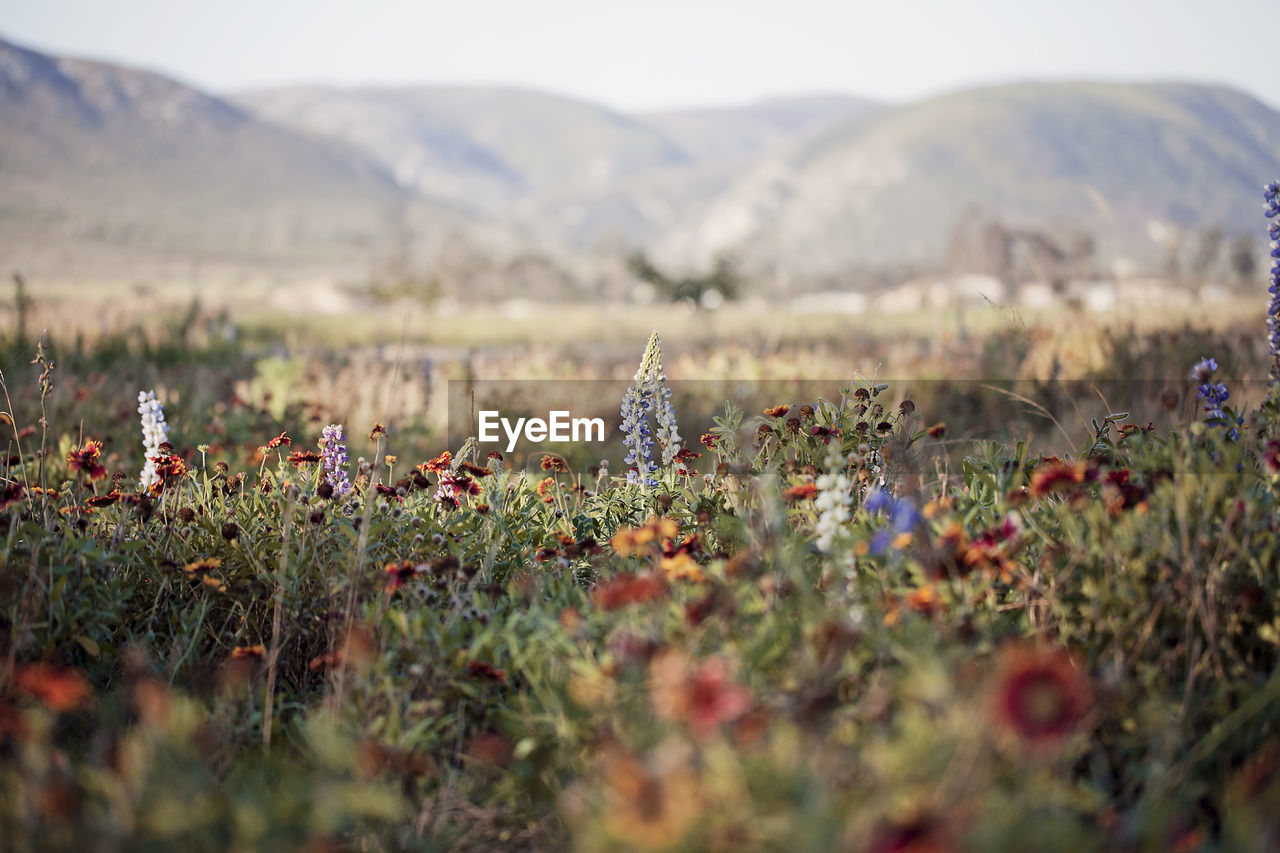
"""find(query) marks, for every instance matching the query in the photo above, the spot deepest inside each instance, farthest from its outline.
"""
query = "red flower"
(326, 661)
(86, 459)
(399, 573)
(304, 457)
(440, 463)
(480, 669)
(58, 689)
(701, 696)
(282, 438)
(258, 652)
(1053, 475)
(553, 463)
(1041, 696)
(1271, 456)
(10, 495)
(626, 589)
(459, 484)
(777, 411)
(168, 465)
(823, 432)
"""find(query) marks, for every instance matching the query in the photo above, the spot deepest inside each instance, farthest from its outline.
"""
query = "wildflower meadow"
(909, 614)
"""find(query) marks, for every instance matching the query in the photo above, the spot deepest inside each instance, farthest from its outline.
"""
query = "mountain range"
(103, 164)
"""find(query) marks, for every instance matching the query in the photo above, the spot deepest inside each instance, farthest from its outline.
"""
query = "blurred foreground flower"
(627, 589)
(1041, 696)
(832, 505)
(57, 689)
(702, 696)
(651, 804)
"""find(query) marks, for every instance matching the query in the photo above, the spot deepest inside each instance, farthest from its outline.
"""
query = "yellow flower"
(683, 567)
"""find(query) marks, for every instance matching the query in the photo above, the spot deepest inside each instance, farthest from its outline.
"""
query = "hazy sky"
(656, 53)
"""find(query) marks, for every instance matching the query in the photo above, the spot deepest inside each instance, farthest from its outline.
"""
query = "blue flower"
(877, 501)
(1271, 194)
(334, 459)
(1215, 395)
(881, 541)
(648, 391)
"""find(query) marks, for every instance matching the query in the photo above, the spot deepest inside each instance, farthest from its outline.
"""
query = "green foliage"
(1004, 650)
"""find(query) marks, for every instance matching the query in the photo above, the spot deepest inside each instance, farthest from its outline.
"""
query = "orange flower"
(258, 652)
(631, 540)
(545, 488)
(682, 567)
(304, 457)
(777, 411)
(1040, 695)
(86, 459)
(802, 492)
(57, 689)
(205, 565)
(281, 439)
(924, 600)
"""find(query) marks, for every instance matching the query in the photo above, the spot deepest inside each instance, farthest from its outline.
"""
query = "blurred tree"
(722, 279)
(1243, 256)
(1207, 253)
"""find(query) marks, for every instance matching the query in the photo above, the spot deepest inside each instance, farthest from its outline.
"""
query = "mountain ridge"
(810, 185)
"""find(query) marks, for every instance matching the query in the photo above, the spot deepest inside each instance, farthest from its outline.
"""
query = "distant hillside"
(566, 174)
(480, 147)
(96, 154)
(725, 133)
(1107, 158)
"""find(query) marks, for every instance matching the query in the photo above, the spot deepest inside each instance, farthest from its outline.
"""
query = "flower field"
(234, 616)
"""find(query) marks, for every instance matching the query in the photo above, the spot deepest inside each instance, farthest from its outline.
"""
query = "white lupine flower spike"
(154, 433)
